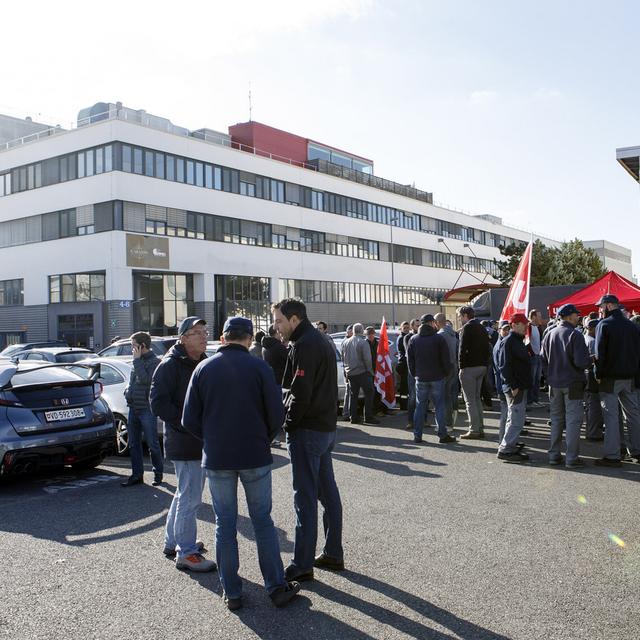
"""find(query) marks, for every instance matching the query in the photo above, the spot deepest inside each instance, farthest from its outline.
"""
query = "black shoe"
(129, 482)
(447, 439)
(524, 432)
(608, 462)
(516, 456)
(233, 604)
(293, 573)
(521, 445)
(556, 462)
(157, 480)
(344, 418)
(371, 421)
(324, 561)
(283, 595)
(596, 439)
(356, 421)
(417, 438)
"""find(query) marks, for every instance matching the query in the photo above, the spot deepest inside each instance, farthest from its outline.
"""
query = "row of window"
(11, 292)
(77, 287)
(148, 162)
(152, 219)
(352, 292)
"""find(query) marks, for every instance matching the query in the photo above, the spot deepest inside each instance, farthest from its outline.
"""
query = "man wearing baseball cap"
(617, 370)
(234, 406)
(565, 358)
(168, 390)
(514, 364)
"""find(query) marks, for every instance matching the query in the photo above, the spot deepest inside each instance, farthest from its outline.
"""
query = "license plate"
(63, 414)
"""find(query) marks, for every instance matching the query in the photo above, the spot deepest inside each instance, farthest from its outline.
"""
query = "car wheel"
(122, 436)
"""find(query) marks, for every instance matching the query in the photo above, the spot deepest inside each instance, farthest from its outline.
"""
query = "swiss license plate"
(63, 414)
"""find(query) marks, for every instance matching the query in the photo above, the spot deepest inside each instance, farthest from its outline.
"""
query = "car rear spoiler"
(11, 368)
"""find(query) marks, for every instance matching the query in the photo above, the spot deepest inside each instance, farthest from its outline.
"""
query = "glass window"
(89, 162)
(148, 163)
(108, 158)
(190, 172)
(68, 288)
(315, 152)
(99, 160)
(126, 158)
(171, 168)
(81, 173)
(38, 175)
(208, 176)
(180, 169)
(199, 174)
(137, 160)
(160, 165)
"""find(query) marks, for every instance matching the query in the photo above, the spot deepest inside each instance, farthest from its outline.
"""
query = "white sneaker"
(196, 562)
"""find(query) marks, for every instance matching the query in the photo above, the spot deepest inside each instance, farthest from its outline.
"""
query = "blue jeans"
(451, 386)
(143, 422)
(224, 495)
(566, 415)
(181, 528)
(313, 480)
(536, 372)
(424, 392)
(411, 400)
(504, 413)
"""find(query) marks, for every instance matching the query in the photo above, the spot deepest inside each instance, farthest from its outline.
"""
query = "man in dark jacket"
(503, 332)
(617, 370)
(141, 420)
(234, 406)
(473, 358)
(274, 353)
(515, 369)
(168, 390)
(311, 397)
(565, 358)
(401, 367)
(429, 363)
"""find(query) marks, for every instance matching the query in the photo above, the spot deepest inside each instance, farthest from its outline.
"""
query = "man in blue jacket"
(234, 406)
(565, 358)
(503, 332)
(168, 390)
(429, 364)
(515, 370)
(617, 370)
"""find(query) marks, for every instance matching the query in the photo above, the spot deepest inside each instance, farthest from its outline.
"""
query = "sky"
(495, 106)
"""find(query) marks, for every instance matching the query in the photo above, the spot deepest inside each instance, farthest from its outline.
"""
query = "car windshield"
(72, 357)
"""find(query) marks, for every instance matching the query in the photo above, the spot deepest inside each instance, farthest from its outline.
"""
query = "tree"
(571, 263)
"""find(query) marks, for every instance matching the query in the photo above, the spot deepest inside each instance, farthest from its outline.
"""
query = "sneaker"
(283, 595)
(409, 426)
(157, 480)
(292, 573)
(233, 604)
(578, 463)
(447, 439)
(608, 462)
(130, 482)
(472, 435)
(196, 562)
(516, 456)
(170, 552)
(556, 461)
(417, 438)
(276, 444)
(323, 561)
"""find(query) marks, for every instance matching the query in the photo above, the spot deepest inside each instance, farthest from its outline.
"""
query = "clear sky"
(495, 106)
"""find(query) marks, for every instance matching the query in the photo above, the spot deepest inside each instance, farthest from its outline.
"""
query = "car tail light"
(97, 390)
(5, 402)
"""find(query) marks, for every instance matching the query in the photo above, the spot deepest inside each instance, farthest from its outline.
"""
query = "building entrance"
(76, 330)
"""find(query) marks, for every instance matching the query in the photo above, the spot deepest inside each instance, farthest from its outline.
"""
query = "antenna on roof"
(250, 104)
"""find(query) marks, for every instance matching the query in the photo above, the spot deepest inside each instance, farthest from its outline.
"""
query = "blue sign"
(125, 304)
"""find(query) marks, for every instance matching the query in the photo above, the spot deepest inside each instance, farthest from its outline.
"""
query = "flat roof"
(629, 158)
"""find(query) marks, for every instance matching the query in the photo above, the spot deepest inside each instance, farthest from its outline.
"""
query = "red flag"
(518, 299)
(384, 381)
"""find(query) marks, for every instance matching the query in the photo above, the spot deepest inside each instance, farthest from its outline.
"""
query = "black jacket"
(475, 347)
(514, 363)
(617, 348)
(274, 353)
(310, 381)
(168, 390)
(137, 391)
(428, 355)
(373, 346)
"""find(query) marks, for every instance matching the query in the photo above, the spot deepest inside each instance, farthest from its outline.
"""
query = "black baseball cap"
(188, 323)
(608, 298)
(427, 317)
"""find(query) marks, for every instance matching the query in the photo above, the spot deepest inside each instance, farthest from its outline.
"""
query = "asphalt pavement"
(441, 541)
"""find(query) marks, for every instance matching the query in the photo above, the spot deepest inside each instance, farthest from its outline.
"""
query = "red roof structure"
(585, 299)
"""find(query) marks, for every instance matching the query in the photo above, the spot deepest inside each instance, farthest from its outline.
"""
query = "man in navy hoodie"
(617, 370)
(429, 364)
(234, 406)
(565, 358)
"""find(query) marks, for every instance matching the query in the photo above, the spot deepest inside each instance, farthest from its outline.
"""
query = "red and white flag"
(384, 381)
(518, 299)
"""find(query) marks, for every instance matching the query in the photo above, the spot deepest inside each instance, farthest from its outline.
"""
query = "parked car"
(49, 417)
(53, 354)
(24, 346)
(122, 348)
(113, 374)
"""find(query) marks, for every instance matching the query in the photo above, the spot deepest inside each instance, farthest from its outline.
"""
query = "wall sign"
(147, 252)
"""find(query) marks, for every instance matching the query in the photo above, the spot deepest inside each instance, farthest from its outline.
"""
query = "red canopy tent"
(585, 299)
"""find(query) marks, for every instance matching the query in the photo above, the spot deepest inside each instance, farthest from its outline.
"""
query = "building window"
(247, 296)
(77, 287)
(11, 292)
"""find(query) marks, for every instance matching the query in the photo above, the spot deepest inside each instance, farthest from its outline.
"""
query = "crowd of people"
(223, 414)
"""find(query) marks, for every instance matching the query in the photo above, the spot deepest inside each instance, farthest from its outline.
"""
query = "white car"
(114, 375)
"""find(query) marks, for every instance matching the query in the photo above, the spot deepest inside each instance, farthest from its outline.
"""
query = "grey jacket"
(137, 392)
(565, 356)
(356, 356)
(451, 338)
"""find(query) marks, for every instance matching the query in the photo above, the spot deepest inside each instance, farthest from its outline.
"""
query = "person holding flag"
(384, 380)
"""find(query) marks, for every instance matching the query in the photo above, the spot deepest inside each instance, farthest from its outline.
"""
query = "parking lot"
(440, 542)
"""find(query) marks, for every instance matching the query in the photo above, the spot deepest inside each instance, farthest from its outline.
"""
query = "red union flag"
(518, 299)
(384, 381)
